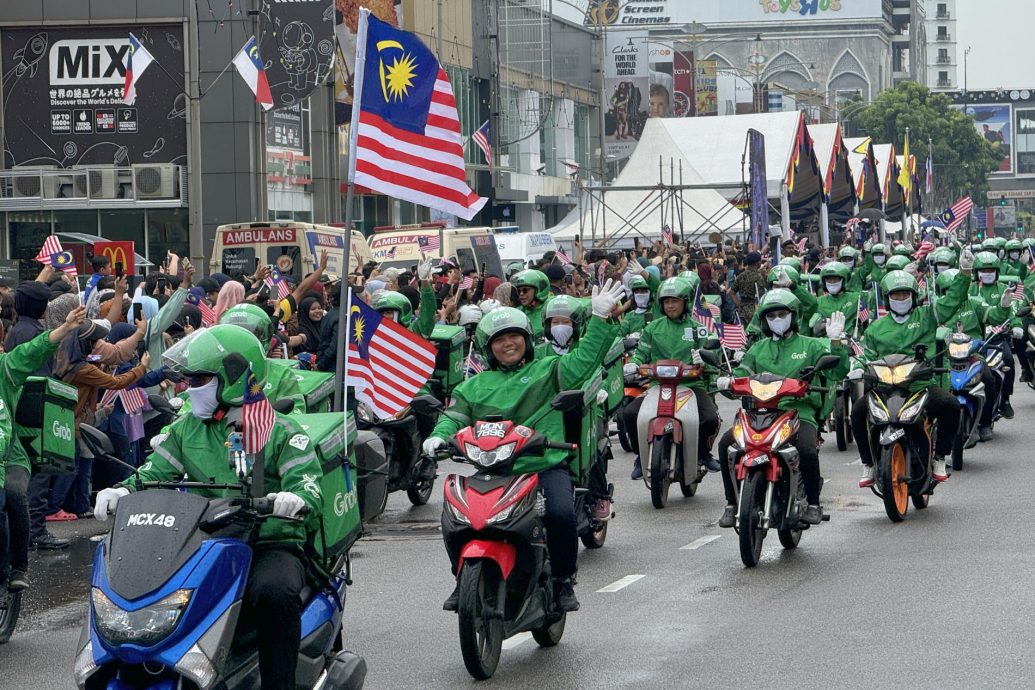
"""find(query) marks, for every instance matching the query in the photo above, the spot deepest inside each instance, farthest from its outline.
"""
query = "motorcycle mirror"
(711, 357)
(631, 344)
(712, 344)
(567, 401)
(284, 405)
(920, 351)
(426, 404)
(827, 362)
(1024, 311)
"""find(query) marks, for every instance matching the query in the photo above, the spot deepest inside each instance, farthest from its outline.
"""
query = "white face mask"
(834, 287)
(779, 324)
(642, 299)
(901, 306)
(986, 277)
(1014, 256)
(879, 259)
(940, 268)
(561, 334)
(203, 400)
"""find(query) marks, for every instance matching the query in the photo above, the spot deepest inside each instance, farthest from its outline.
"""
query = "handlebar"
(568, 447)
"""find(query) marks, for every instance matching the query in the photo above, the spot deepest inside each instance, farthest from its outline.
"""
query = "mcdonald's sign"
(120, 252)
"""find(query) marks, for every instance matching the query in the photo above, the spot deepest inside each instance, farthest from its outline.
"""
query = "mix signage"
(62, 92)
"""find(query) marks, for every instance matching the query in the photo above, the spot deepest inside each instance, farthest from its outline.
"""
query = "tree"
(962, 158)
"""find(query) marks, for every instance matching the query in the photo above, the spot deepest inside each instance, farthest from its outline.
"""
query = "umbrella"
(873, 214)
(933, 223)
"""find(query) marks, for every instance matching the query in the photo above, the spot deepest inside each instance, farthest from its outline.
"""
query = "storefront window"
(76, 221)
(125, 226)
(167, 232)
(26, 233)
(1025, 142)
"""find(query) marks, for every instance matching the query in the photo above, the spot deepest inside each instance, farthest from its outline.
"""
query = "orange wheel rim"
(900, 489)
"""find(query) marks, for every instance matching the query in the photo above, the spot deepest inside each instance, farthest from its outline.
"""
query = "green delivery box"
(317, 388)
(449, 363)
(45, 423)
(339, 525)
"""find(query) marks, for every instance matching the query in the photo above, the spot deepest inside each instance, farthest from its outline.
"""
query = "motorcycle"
(1028, 327)
(667, 428)
(493, 531)
(900, 433)
(167, 585)
(402, 436)
(771, 493)
(966, 365)
(634, 387)
(10, 602)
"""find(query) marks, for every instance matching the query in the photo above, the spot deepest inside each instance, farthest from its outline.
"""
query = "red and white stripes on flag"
(1018, 291)
(732, 336)
(925, 248)
(51, 246)
(563, 257)
(133, 399)
(482, 137)
(466, 283)
(666, 234)
(960, 211)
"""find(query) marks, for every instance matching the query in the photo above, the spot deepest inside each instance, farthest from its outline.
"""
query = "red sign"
(684, 100)
(121, 252)
(259, 236)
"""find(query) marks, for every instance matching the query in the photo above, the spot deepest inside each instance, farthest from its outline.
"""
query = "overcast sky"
(1000, 34)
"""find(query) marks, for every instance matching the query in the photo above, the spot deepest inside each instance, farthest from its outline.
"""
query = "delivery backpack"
(45, 424)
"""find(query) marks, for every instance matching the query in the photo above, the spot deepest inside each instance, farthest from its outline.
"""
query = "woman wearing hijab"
(230, 294)
(310, 314)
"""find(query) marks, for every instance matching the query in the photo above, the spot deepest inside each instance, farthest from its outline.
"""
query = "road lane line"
(621, 584)
(698, 543)
(857, 461)
(512, 642)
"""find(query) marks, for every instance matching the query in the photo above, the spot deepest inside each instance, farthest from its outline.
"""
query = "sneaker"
(813, 515)
(601, 509)
(1006, 409)
(868, 477)
(729, 516)
(18, 581)
(88, 515)
(985, 433)
(452, 602)
(564, 595)
(1025, 375)
(637, 472)
(48, 542)
(710, 463)
(61, 516)
(938, 469)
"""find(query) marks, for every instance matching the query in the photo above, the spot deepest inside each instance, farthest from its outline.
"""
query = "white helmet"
(470, 314)
(488, 305)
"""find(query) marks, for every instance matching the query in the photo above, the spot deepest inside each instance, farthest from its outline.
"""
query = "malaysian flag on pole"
(257, 416)
(208, 317)
(405, 135)
(51, 246)
(1018, 291)
(483, 138)
(925, 248)
(387, 363)
(138, 61)
(428, 243)
(276, 280)
(732, 335)
(133, 399)
(953, 217)
(666, 234)
(863, 314)
(705, 316)
(563, 257)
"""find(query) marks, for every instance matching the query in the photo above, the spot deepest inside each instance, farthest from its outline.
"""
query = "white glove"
(107, 499)
(966, 259)
(424, 268)
(605, 298)
(723, 383)
(629, 369)
(176, 403)
(1017, 333)
(286, 504)
(696, 358)
(738, 355)
(1007, 299)
(431, 445)
(784, 281)
(855, 374)
(836, 326)
(157, 439)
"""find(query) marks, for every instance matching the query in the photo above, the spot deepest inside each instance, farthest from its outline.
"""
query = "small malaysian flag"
(276, 280)
(954, 216)
(563, 257)
(1018, 291)
(466, 283)
(856, 347)
(428, 243)
(64, 261)
(704, 316)
(666, 234)
(602, 271)
(1031, 259)
(474, 365)
(864, 312)
(133, 399)
(257, 416)
(208, 317)
(483, 138)
(801, 244)
(732, 335)
(51, 246)
(925, 248)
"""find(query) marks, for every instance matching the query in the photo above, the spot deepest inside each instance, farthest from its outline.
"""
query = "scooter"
(635, 385)
(402, 437)
(167, 589)
(493, 531)
(771, 494)
(10, 602)
(965, 369)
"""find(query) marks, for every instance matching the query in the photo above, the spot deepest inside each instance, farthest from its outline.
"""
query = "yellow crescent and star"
(396, 78)
(359, 326)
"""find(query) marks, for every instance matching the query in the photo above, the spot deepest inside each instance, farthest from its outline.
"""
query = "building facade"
(942, 68)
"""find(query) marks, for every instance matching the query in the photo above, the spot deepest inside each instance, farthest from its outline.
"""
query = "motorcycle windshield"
(154, 534)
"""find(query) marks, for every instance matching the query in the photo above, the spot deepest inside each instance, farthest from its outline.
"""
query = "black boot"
(1006, 409)
(564, 595)
(813, 515)
(452, 602)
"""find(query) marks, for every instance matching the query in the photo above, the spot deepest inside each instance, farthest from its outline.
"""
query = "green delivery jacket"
(991, 294)
(281, 383)
(974, 315)
(635, 321)
(424, 323)
(665, 338)
(535, 319)
(885, 337)
(787, 357)
(809, 305)
(15, 367)
(847, 303)
(197, 448)
(524, 394)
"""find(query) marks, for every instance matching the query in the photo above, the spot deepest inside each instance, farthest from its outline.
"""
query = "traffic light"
(1002, 202)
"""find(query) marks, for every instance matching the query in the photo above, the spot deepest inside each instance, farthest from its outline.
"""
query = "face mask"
(779, 325)
(879, 259)
(641, 299)
(901, 306)
(834, 287)
(561, 334)
(986, 277)
(939, 268)
(203, 401)
(1014, 256)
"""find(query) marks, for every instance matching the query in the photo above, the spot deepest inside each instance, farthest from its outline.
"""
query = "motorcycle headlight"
(667, 371)
(457, 515)
(85, 666)
(877, 410)
(995, 359)
(765, 391)
(739, 436)
(894, 375)
(912, 407)
(143, 627)
(485, 458)
(959, 350)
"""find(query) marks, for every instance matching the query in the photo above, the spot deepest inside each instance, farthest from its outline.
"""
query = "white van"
(516, 246)
(403, 246)
(294, 248)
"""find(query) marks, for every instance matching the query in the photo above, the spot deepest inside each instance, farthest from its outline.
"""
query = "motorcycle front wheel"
(894, 482)
(752, 534)
(481, 633)
(550, 635)
(10, 607)
(660, 470)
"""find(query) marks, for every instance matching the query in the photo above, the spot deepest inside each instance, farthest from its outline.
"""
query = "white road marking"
(698, 543)
(857, 461)
(512, 642)
(621, 584)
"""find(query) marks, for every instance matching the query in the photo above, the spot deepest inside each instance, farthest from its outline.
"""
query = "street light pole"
(757, 60)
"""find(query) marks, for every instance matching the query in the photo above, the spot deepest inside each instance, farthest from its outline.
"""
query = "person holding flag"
(226, 370)
(995, 292)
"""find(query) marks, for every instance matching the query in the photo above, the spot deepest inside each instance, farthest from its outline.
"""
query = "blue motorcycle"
(968, 360)
(167, 588)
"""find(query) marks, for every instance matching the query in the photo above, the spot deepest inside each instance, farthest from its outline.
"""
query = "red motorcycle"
(493, 530)
(771, 493)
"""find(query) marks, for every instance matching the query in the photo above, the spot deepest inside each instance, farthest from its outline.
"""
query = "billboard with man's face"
(992, 122)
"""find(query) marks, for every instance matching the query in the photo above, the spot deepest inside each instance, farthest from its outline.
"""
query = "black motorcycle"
(402, 437)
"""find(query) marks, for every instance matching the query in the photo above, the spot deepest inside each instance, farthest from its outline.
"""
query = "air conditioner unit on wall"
(97, 183)
(156, 181)
(31, 184)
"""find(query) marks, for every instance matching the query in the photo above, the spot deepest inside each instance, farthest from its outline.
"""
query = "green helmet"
(1014, 246)
(252, 318)
(904, 249)
(782, 269)
(568, 307)
(876, 249)
(497, 322)
(638, 283)
(898, 262)
(679, 288)
(848, 254)
(533, 279)
(792, 261)
(834, 269)
(986, 261)
(775, 300)
(943, 255)
(989, 244)
(394, 301)
(999, 242)
(898, 280)
(944, 280)
(224, 351)
(692, 278)
(1028, 242)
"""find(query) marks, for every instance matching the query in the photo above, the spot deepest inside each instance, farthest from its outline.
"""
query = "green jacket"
(1016, 268)
(847, 303)
(665, 338)
(281, 383)
(990, 295)
(424, 323)
(635, 322)
(15, 367)
(856, 280)
(196, 448)
(787, 357)
(808, 307)
(535, 318)
(524, 395)
(974, 315)
(885, 336)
